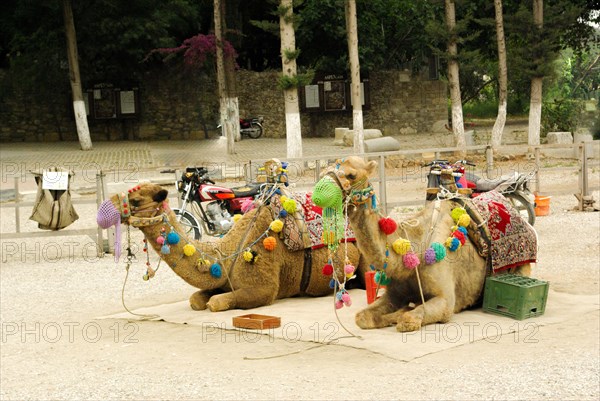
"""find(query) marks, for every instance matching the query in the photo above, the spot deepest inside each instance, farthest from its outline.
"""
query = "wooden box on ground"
(515, 296)
(257, 322)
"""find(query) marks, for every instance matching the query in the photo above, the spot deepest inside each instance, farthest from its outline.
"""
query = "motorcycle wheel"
(524, 207)
(255, 131)
(191, 227)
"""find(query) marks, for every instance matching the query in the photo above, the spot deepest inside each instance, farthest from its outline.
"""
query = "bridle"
(352, 194)
(128, 211)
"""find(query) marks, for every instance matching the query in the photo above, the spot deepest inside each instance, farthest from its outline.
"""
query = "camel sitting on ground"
(226, 279)
(417, 293)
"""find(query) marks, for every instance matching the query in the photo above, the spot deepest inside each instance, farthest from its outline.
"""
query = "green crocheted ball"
(327, 193)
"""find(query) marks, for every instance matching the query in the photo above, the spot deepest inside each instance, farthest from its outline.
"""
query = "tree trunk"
(535, 102)
(502, 78)
(227, 105)
(457, 115)
(293, 129)
(83, 131)
(357, 115)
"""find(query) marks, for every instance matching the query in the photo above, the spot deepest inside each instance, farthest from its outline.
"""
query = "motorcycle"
(515, 187)
(251, 127)
(216, 216)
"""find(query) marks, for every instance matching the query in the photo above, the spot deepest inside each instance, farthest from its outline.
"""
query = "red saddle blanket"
(513, 242)
(304, 229)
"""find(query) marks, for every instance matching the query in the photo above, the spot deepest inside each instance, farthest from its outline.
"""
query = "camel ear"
(371, 167)
(160, 195)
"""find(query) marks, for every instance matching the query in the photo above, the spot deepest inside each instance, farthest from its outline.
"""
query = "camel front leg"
(199, 299)
(435, 310)
(243, 298)
(381, 313)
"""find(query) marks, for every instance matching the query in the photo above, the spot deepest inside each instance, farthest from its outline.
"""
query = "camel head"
(353, 172)
(144, 200)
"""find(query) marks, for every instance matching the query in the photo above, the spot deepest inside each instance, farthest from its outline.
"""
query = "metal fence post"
(382, 186)
(537, 170)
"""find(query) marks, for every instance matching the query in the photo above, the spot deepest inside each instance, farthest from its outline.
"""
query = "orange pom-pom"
(387, 225)
(269, 243)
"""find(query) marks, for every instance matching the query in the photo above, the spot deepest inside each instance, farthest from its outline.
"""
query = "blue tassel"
(215, 270)
(374, 202)
(332, 283)
(165, 249)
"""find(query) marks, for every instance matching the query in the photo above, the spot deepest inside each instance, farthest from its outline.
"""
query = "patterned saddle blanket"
(303, 229)
(500, 233)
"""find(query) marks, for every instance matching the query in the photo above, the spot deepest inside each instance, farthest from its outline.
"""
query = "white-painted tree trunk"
(83, 130)
(357, 115)
(502, 77)
(458, 127)
(293, 128)
(535, 102)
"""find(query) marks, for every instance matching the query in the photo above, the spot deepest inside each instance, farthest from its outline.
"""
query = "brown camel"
(238, 283)
(448, 286)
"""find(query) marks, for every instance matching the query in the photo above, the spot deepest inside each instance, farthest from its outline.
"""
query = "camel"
(430, 293)
(237, 283)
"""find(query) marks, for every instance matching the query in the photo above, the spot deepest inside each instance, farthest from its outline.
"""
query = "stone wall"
(184, 105)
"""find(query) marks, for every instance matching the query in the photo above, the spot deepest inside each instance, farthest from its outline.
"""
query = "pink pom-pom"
(160, 240)
(411, 260)
(339, 304)
(349, 269)
(327, 269)
(387, 225)
(460, 236)
(346, 299)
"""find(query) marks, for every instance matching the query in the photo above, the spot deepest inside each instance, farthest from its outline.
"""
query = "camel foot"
(409, 322)
(219, 303)
(198, 300)
(367, 319)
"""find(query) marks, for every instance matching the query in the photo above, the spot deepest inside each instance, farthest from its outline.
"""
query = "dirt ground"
(54, 347)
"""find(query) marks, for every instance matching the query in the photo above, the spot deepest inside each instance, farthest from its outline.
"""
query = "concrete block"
(383, 144)
(559, 137)
(369, 133)
(339, 136)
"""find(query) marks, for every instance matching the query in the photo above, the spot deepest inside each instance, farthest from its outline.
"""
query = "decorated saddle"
(499, 232)
(304, 227)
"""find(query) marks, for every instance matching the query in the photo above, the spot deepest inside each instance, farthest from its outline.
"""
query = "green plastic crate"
(515, 296)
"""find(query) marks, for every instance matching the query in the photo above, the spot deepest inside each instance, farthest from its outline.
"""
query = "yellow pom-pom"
(203, 262)
(236, 217)
(189, 249)
(401, 246)
(290, 206)
(448, 242)
(282, 199)
(464, 220)
(248, 256)
(457, 212)
(276, 225)
(453, 228)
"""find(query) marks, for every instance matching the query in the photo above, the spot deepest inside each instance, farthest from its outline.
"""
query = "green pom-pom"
(440, 251)
(457, 212)
(290, 206)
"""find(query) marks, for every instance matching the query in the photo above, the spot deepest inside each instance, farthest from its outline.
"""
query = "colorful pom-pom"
(387, 225)
(460, 236)
(172, 238)
(349, 269)
(290, 206)
(327, 269)
(457, 212)
(464, 220)
(236, 217)
(346, 299)
(160, 240)
(463, 230)
(381, 278)
(332, 283)
(165, 249)
(452, 243)
(410, 260)
(283, 198)
(269, 243)
(189, 249)
(440, 251)
(283, 213)
(215, 270)
(339, 304)
(401, 246)
(339, 295)
(276, 225)
(248, 256)
(429, 256)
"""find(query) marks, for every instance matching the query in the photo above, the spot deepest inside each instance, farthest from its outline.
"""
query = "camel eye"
(351, 176)
(134, 202)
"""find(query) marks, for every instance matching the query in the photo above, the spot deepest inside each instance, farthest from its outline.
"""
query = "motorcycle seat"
(246, 190)
(484, 184)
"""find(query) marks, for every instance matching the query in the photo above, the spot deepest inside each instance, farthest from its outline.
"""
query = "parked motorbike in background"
(515, 187)
(251, 127)
(208, 207)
